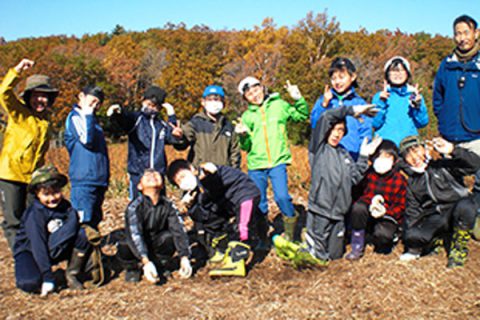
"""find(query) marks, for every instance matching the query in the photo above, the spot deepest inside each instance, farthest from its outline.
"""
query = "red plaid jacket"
(393, 188)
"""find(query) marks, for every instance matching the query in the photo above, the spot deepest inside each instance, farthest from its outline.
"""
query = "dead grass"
(376, 287)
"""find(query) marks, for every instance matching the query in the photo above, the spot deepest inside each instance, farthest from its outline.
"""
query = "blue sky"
(22, 18)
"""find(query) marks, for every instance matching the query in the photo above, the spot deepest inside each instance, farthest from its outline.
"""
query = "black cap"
(156, 94)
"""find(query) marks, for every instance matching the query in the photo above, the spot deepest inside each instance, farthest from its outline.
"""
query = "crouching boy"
(218, 193)
(49, 233)
(438, 204)
(334, 172)
(154, 231)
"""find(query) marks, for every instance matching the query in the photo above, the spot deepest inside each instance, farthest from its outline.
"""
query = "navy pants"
(88, 200)
(27, 274)
(279, 180)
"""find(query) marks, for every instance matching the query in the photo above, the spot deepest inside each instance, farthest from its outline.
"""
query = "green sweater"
(266, 141)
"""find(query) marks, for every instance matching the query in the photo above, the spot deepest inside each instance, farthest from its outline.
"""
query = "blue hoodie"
(357, 130)
(86, 145)
(448, 98)
(397, 118)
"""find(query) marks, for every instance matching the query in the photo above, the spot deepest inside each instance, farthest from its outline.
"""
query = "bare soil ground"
(376, 287)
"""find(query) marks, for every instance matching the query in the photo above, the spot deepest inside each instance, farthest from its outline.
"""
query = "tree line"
(183, 61)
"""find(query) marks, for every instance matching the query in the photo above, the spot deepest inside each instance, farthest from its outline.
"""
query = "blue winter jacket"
(89, 164)
(458, 109)
(397, 118)
(357, 130)
(46, 248)
(147, 137)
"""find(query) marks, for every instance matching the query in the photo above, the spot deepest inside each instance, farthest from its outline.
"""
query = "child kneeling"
(219, 193)
(155, 231)
(382, 204)
(49, 233)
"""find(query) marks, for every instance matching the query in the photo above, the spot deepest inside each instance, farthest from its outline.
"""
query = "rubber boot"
(219, 245)
(75, 266)
(459, 248)
(297, 254)
(476, 228)
(357, 244)
(289, 224)
(234, 263)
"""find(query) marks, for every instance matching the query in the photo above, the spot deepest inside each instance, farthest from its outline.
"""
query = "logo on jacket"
(228, 133)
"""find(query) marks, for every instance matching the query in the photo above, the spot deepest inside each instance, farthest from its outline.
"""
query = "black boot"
(262, 232)
(75, 266)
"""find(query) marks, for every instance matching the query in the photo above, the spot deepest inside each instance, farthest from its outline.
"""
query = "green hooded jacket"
(267, 141)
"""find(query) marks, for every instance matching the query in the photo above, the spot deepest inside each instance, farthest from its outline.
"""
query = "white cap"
(404, 61)
(247, 83)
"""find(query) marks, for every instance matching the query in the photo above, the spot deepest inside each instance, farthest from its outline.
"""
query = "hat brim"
(62, 181)
(46, 90)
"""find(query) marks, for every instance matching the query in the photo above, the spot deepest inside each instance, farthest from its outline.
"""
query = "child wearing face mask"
(89, 169)
(438, 204)
(215, 194)
(381, 206)
(147, 134)
(402, 109)
(343, 80)
(209, 134)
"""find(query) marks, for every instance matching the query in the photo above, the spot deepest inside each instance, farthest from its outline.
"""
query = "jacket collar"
(351, 93)
(271, 97)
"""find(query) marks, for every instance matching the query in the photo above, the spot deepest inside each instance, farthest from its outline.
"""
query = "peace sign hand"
(327, 96)
(384, 95)
(177, 131)
(293, 91)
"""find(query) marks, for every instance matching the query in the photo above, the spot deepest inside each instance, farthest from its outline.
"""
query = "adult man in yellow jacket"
(25, 140)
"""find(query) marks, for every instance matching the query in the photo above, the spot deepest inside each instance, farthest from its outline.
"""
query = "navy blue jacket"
(89, 164)
(147, 137)
(458, 109)
(34, 237)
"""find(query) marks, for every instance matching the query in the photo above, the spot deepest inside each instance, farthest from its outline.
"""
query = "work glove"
(169, 108)
(54, 225)
(377, 208)
(366, 109)
(368, 148)
(47, 287)
(209, 167)
(442, 146)
(114, 108)
(185, 270)
(150, 272)
(293, 91)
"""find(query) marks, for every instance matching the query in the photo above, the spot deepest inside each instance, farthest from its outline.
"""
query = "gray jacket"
(333, 171)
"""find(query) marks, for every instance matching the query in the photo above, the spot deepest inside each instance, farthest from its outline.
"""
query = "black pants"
(160, 249)
(13, 198)
(382, 231)
(461, 215)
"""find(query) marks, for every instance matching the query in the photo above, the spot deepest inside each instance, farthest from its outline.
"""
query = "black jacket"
(439, 188)
(144, 220)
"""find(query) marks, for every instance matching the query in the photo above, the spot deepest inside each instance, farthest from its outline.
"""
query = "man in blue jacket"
(89, 169)
(456, 91)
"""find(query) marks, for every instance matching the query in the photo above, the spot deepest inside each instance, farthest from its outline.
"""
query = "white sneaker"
(408, 256)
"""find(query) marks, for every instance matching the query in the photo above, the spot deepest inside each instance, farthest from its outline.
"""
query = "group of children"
(375, 189)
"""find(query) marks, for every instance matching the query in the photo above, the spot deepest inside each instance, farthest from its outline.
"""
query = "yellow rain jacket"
(26, 137)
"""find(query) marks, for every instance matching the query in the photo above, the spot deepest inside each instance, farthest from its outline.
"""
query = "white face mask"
(382, 165)
(189, 182)
(213, 107)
